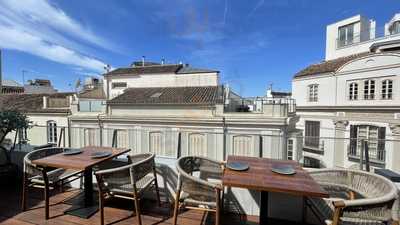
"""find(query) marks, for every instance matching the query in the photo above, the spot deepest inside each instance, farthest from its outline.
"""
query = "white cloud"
(22, 41)
(42, 29)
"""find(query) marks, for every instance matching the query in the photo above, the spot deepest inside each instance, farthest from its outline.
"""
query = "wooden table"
(260, 177)
(84, 162)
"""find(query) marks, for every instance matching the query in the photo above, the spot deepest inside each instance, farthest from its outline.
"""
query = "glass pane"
(84, 106)
(96, 106)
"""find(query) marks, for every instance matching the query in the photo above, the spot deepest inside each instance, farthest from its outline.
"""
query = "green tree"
(11, 121)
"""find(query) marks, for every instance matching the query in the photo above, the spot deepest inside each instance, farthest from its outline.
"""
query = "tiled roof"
(189, 69)
(31, 103)
(138, 70)
(95, 93)
(206, 95)
(328, 66)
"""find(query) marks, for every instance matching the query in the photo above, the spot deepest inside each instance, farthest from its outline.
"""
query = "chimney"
(143, 59)
(44, 102)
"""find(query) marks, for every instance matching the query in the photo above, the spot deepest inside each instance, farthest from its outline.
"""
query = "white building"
(352, 95)
(151, 104)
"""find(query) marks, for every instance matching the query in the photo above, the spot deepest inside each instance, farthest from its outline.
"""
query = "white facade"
(357, 100)
(360, 35)
(159, 80)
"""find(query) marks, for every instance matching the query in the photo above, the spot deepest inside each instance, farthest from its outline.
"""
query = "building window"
(375, 137)
(395, 28)
(23, 136)
(313, 93)
(346, 35)
(369, 89)
(290, 149)
(387, 89)
(119, 85)
(311, 138)
(353, 91)
(51, 132)
(90, 106)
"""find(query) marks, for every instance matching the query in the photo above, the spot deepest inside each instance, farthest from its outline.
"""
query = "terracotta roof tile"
(31, 103)
(155, 69)
(328, 66)
(170, 95)
(95, 93)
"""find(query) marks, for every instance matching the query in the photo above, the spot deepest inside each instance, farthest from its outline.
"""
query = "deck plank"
(117, 212)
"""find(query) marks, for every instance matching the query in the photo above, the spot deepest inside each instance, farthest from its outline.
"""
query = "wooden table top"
(80, 161)
(260, 177)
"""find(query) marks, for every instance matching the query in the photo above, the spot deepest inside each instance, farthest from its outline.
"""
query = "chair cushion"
(55, 176)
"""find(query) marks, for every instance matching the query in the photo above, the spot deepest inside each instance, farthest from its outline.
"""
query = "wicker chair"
(129, 182)
(37, 177)
(356, 197)
(199, 185)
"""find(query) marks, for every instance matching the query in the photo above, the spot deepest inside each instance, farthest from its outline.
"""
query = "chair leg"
(218, 209)
(176, 208)
(24, 191)
(336, 216)
(46, 194)
(137, 209)
(157, 192)
(101, 208)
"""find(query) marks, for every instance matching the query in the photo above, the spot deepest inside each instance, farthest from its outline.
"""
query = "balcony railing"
(262, 105)
(365, 35)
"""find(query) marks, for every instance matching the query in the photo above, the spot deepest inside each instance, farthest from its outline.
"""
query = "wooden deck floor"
(118, 212)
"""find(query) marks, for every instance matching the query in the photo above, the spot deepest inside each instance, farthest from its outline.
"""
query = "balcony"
(369, 35)
(274, 107)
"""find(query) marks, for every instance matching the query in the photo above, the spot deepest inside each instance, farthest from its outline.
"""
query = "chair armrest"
(112, 170)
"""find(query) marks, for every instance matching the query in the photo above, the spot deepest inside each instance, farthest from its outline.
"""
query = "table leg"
(88, 188)
(84, 205)
(264, 208)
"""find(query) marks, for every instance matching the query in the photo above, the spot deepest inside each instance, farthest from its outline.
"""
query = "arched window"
(387, 89)
(353, 91)
(313, 93)
(369, 89)
(51, 132)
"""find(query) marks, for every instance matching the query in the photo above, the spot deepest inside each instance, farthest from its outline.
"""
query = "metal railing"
(261, 104)
(365, 35)
(173, 142)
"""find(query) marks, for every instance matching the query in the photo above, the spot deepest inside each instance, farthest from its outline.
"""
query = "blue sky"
(253, 42)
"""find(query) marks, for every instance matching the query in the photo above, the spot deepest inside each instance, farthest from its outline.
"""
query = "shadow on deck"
(117, 211)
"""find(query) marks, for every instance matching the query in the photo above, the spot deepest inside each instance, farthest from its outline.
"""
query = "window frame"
(395, 28)
(369, 89)
(387, 89)
(51, 126)
(346, 41)
(353, 91)
(313, 92)
(290, 149)
(312, 139)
